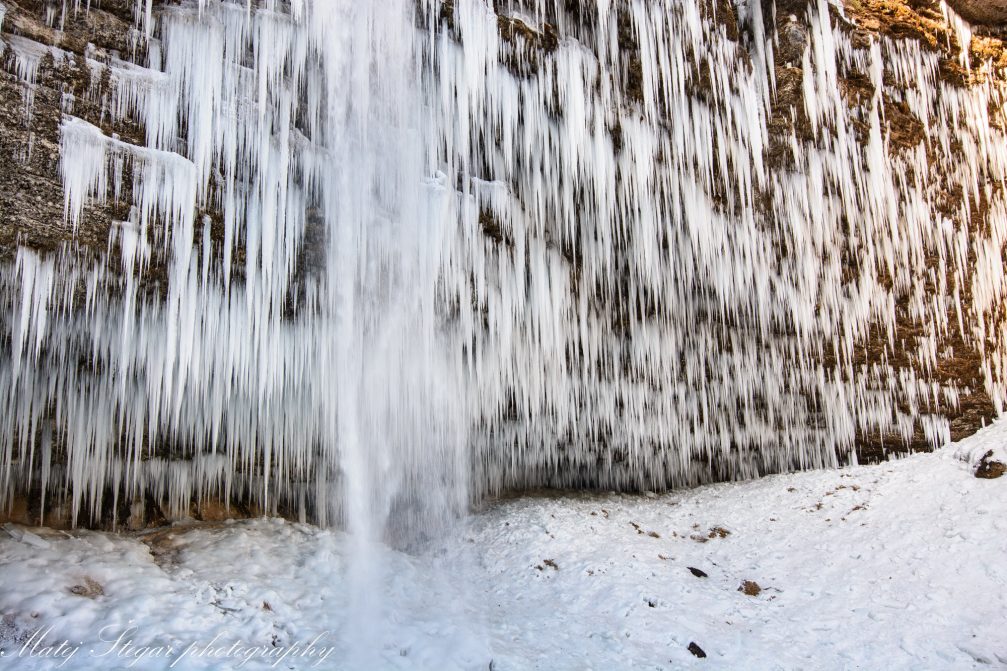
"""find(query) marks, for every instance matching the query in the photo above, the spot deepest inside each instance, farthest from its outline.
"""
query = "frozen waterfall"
(378, 259)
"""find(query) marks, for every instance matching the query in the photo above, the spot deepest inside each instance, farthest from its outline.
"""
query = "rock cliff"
(793, 255)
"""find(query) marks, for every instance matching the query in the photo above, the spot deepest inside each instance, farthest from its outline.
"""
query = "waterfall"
(262, 127)
(369, 261)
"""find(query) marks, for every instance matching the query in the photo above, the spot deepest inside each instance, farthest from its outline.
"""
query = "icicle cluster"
(379, 248)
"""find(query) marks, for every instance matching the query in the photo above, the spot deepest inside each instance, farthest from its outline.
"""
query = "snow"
(988, 441)
(895, 566)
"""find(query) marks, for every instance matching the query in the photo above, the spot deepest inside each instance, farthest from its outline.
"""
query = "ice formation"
(384, 257)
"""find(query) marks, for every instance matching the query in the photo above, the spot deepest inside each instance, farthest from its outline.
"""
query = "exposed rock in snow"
(989, 468)
(985, 452)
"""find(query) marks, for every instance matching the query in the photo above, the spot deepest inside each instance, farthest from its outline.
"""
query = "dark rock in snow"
(989, 469)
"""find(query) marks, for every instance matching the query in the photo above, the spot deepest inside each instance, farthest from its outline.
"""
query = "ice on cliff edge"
(557, 256)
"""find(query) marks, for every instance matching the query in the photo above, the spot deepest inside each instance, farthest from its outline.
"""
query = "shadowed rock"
(988, 12)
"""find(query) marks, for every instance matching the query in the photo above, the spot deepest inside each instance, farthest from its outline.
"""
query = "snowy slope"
(898, 566)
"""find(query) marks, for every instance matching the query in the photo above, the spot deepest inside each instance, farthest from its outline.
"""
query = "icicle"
(371, 270)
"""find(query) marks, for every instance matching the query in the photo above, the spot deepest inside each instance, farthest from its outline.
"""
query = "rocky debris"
(714, 532)
(696, 650)
(640, 530)
(750, 588)
(988, 468)
(89, 588)
(699, 573)
(547, 563)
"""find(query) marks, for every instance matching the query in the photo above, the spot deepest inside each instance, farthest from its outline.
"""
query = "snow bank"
(897, 566)
(989, 443)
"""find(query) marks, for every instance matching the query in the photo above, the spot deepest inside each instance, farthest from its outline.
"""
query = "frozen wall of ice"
(373, 260)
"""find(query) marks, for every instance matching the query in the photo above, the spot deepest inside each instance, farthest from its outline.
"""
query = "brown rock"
(17, 512)
(981, 11)
(988, 469)
(214, 511)
(89, 588)
(750, 588)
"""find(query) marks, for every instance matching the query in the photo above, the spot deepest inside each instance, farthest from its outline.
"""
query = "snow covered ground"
(897, 566)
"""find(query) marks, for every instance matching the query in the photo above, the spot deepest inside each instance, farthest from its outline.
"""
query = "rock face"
(46, 73)
(987, 12)
(693, 242)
